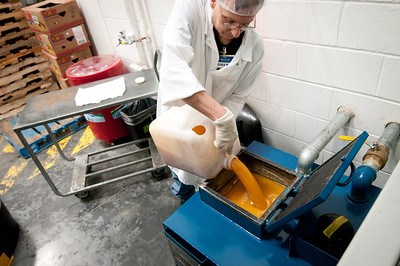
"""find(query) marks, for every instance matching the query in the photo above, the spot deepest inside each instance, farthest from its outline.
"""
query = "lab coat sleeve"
(250, 75)
(177, 78)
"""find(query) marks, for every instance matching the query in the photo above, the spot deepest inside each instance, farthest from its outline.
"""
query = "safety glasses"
(231, 24)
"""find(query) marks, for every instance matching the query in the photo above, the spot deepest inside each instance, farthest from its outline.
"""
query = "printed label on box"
(49, 13)
(79, 35)
(65, 59)
(57, 38)
(35, 19)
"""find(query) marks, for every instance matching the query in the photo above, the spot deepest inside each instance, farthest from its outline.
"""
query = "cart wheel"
(159, 173)
(82, 195)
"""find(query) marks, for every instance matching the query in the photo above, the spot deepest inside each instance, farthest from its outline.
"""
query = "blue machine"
(211, 230)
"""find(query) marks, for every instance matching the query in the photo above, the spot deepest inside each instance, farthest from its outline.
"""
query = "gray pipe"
(377, 156)
(310, 153)
(373, 161)
(389, 135)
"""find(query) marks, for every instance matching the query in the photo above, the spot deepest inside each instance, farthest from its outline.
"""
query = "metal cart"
(53, 106)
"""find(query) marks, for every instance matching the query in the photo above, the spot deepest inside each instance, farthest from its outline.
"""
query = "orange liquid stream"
(249, 183)
(236, 192)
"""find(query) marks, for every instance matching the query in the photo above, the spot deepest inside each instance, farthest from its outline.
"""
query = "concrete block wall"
(319, 55)
(143, 18)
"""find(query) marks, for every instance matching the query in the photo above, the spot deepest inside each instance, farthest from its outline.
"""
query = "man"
(211, 60)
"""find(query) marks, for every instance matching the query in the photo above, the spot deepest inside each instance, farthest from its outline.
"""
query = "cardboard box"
(59, 65)
(63, 82)
(52, 16)
(64, 42)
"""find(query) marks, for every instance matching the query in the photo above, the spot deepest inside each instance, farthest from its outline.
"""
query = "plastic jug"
(185, 139)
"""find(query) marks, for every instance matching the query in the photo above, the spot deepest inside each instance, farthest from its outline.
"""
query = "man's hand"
(225, 132)
(225, 122)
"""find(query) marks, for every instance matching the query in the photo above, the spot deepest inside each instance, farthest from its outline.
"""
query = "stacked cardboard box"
(24, 72)
(61, 33)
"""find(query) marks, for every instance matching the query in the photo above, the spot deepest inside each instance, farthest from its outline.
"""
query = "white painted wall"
(319, 55)
(105, 19)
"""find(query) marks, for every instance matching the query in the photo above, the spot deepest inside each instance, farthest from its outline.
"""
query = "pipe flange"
(347, 109)
(394, 122)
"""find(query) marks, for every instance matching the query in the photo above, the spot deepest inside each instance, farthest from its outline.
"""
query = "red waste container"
(106, 124)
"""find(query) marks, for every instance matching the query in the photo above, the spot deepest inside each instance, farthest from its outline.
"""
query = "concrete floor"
(118, 224)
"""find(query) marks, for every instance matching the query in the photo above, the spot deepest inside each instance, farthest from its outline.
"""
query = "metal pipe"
(111, 158)
(147, 26)
(128, 144)
(135, 27)
(117, 167)
(361, 182)
(310, 153)
(373, 161)
(38, 164)
(377, 156)
(389, 135)
(55, 142)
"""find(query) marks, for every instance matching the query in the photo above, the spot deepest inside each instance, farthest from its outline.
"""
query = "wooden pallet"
(24, 77)
(26, 90)
(9, 50)
(37, 89)
(12, 13)
(16, 36)
(38, 137)
(20, 56)
(11, 17)
(24, 72)
(8, 6)
(21, 65)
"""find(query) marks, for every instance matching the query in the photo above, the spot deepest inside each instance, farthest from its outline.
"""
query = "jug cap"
(228, 161)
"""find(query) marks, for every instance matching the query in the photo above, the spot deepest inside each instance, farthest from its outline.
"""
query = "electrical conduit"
(150, 49)
(132, 21)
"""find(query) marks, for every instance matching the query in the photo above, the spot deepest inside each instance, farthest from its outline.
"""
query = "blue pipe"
(373, 161)
(362, 180)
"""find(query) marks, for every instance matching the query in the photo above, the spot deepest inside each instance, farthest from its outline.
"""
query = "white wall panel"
(274, 117)
(302, 21)
(113, 9)
(389, 86)
(280, 58)
(299, 96)
(96, 26)
(372, 27)
(340, 68)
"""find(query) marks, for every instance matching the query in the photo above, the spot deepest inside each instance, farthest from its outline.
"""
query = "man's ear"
(213, 3)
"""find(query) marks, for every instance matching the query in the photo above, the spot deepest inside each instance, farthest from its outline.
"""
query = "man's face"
(228, 24)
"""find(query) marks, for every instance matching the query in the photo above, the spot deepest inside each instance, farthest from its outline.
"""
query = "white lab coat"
(189, 63)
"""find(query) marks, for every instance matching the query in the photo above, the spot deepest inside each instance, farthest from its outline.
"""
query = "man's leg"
(181, 190)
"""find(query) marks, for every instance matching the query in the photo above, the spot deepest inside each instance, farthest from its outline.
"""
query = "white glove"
(225, 132)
